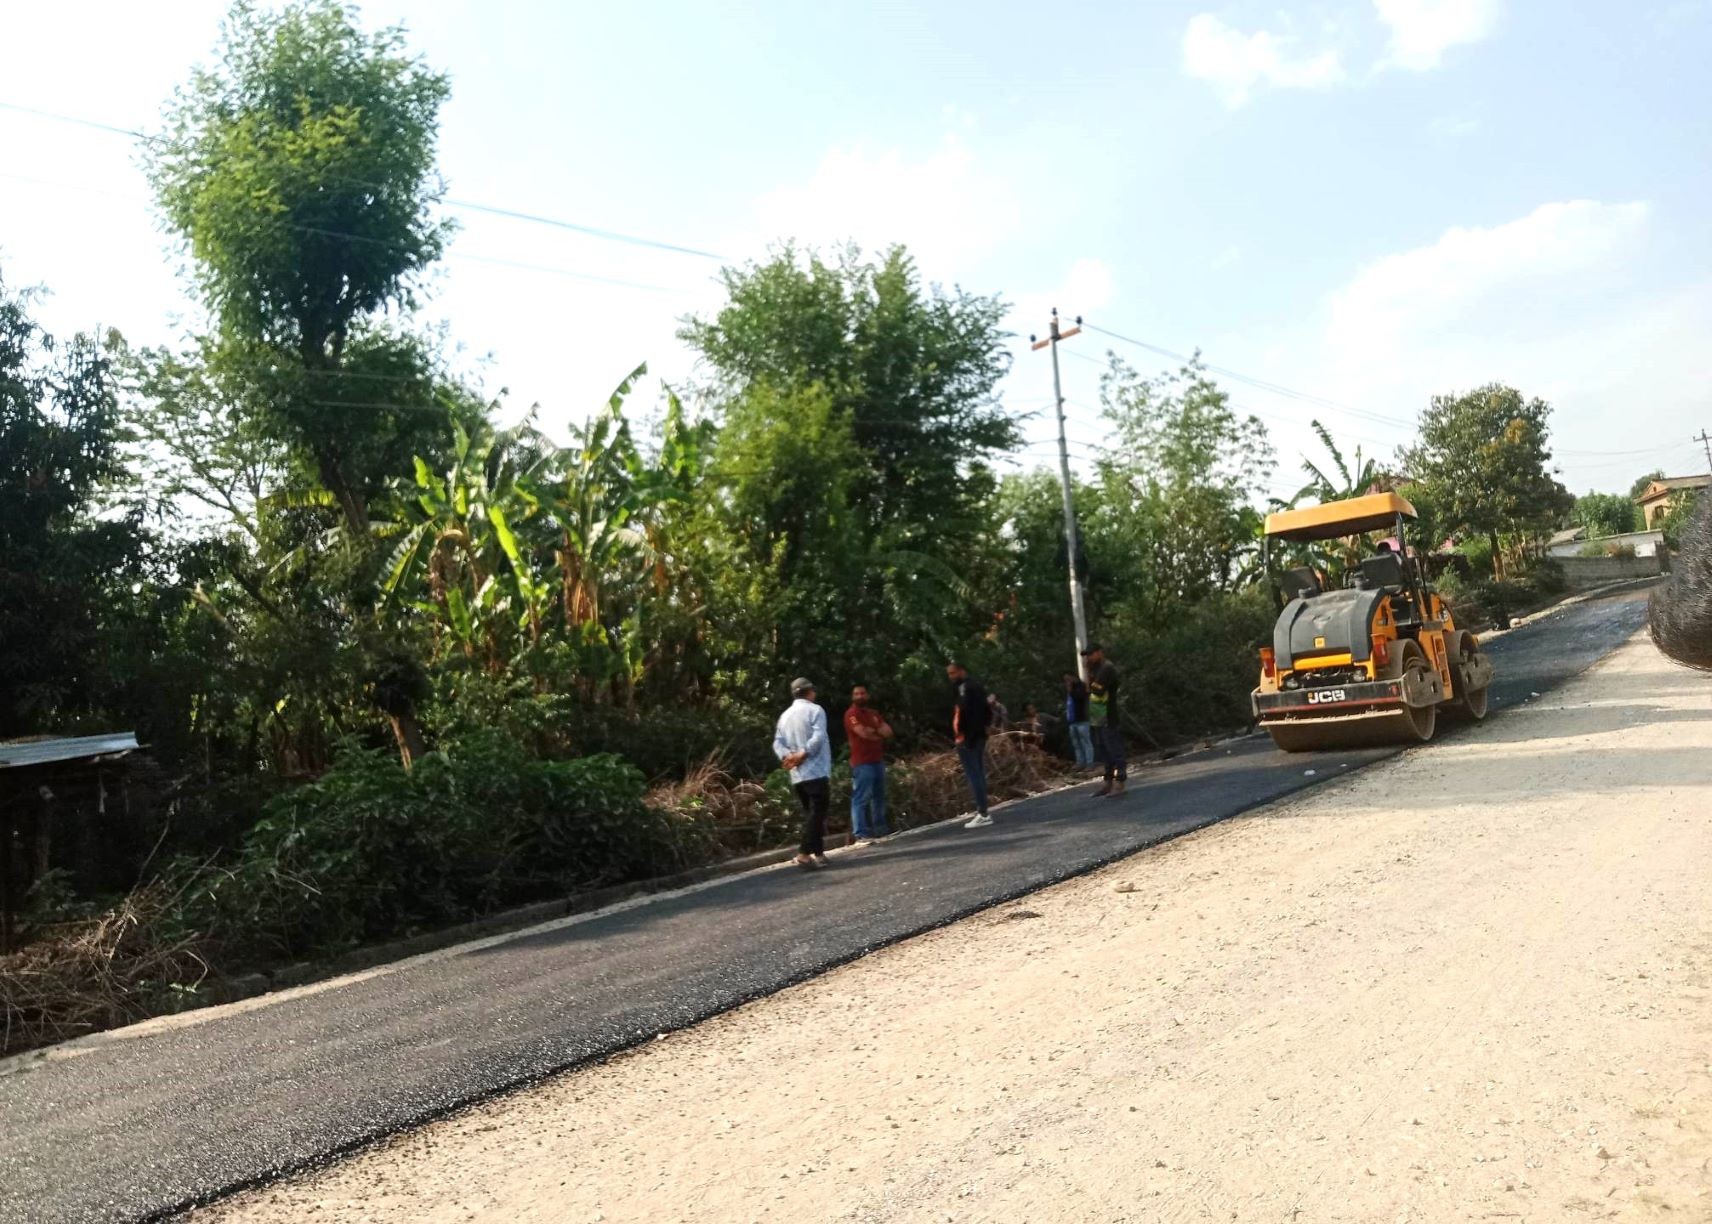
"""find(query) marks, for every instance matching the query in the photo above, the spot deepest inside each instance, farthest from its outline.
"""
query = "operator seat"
(1301, 583)
(1384, 572)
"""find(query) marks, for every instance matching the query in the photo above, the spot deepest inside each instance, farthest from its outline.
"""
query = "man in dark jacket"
(970, 717)
(1103, 681)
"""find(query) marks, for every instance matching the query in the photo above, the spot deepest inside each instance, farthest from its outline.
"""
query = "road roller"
(1372, 661)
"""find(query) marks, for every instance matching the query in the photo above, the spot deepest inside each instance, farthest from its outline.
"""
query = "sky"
(1358, 205)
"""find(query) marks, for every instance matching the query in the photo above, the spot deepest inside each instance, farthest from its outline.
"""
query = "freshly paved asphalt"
(139, 1128)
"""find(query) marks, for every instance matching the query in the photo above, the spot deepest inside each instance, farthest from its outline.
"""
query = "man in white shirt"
(801, 744)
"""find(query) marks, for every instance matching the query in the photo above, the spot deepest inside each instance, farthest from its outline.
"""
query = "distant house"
(1655, 500)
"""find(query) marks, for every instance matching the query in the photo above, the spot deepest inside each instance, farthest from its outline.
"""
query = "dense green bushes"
(369, 851)
(1193, 675)
(1481, 604)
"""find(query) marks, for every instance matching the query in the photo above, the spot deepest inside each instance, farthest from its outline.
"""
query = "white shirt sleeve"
(817, 740)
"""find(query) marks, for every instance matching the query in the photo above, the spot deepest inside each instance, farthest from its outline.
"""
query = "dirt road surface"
(1470, 983)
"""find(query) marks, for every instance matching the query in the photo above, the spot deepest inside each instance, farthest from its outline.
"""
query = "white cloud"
(1087, 287)
(946, 206)
(1384, 310)
(1236, 64)
(1226, 258)
(1423, 30)
(1561, 302)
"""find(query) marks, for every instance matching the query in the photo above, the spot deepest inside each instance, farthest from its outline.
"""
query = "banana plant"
(455, 556)
(1341, 480)
(603, 504)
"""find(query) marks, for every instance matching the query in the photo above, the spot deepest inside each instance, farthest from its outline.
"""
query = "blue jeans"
(1082, 743)
(974, 758)
(868, 800)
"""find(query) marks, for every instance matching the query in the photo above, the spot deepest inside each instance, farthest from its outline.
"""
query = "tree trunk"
(351, 505)
(1497, 556)
(408, 732)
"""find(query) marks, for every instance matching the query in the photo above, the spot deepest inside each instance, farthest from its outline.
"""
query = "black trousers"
(1109, 743)
(814, 796)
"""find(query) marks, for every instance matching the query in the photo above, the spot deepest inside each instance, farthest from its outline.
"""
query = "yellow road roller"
(1370, 662)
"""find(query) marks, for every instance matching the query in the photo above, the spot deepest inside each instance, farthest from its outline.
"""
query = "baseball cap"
(801, 685)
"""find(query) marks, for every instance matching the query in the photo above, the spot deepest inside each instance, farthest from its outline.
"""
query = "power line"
(1289, 392)
(1260, 383)
(590, 231)
(466, 257)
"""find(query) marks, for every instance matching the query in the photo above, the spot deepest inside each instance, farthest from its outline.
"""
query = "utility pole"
(1078, 613)
(1706, 441)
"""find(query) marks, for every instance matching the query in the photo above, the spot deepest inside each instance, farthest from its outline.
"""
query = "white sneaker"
(979, 822)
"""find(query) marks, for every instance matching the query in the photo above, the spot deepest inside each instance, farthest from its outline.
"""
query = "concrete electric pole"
(1078, 613)
(1706, 441)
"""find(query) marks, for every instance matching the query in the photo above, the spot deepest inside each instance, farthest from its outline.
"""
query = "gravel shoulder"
(1470, 982)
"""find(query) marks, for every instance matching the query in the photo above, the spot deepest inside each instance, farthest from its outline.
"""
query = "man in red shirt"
(868, 733)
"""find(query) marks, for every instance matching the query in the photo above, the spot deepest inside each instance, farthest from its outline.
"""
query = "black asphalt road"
(142, 1127)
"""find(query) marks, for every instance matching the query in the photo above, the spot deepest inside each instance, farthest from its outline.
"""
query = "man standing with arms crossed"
(970, 716)
(802, 747)
(868, 733)
(1103, 682)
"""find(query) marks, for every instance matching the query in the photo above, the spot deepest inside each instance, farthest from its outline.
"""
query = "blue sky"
(1367, 202)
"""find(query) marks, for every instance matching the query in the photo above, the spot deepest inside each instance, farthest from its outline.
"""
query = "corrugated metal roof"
(17, 753)
(1567, 535)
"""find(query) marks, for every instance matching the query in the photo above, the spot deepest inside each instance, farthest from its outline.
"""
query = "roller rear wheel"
(1472, 703)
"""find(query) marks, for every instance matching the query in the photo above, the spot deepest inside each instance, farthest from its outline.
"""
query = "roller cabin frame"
(1370, 663)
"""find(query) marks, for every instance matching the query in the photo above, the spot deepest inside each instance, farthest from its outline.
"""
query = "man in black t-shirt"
(1103, 680)
(970, 718)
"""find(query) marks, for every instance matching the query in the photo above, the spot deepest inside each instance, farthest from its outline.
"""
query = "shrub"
(1193, 676)
(369, 851)
(664, 743)
(1479, 554)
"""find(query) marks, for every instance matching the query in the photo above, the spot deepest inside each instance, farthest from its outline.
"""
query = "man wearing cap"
(1103, 681)
(802, 747)
(971, 714)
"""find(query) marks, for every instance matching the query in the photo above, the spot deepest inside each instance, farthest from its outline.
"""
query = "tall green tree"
(1606, 514)
(298, 173)
(899, 379)
(71, 550)
(1485, 456)
(779, 546)
(1185, 472)
(914, 368)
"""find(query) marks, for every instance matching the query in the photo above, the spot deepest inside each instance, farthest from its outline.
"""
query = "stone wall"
(1584, 572)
